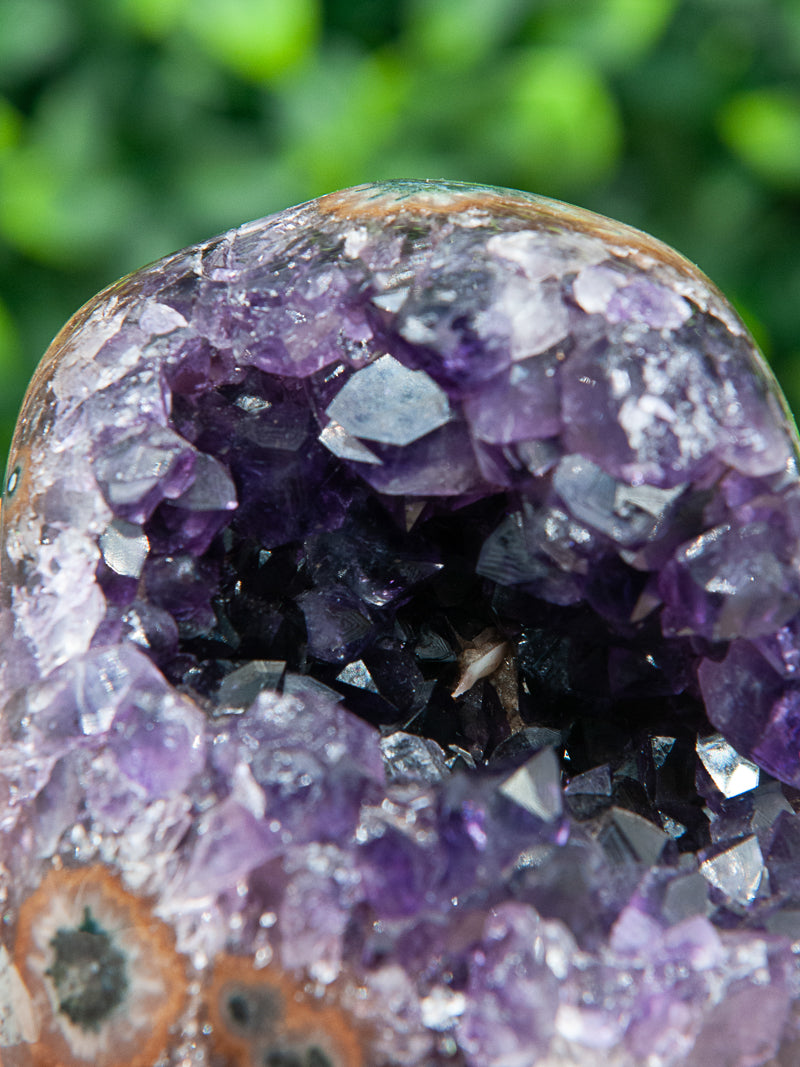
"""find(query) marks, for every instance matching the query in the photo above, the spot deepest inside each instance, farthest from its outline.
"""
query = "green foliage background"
(130, 128)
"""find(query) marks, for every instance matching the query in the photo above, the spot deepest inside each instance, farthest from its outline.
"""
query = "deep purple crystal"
(401, 656)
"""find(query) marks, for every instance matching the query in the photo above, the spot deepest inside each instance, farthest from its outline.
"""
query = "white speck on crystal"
(737, 871)
(355, 240)
(595, 285)
(536, 786)
(731, 773)
(540, 257)
(441, 1008)
(342, 444)
(160, 318)
(538, 318)
(125, 547)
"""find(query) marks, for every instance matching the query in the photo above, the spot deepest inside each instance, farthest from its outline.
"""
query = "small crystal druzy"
(401, 656)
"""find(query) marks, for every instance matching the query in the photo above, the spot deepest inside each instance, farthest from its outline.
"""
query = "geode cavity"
(401, 656)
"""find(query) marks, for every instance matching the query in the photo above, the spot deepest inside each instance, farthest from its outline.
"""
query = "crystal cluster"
(401, 656)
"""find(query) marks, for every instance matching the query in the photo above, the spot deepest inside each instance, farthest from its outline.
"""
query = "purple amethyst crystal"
(401, 656)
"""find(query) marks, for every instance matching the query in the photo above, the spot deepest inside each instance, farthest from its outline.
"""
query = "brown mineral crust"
(162, 989)
(330, 1030)
(354, 206)
(299, 1019)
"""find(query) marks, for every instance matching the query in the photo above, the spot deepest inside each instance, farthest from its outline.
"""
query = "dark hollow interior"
(317, 579)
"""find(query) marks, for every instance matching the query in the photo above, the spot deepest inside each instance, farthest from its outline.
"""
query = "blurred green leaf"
(13, 374)
(55, 217)
(557, 128)
(154, 18)
(723, 206)
(71, 121)
(62, 201)
(338, 116)
(254, 39)
(614, 33)
(763, 128)
(461, 33)
(728, 48)
(183, 77)
(33, 33)
(10, 126)
(369, 22)
(10, 363)
(225, 188)
(28, 194)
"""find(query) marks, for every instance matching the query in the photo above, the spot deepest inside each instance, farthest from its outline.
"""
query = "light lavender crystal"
(400, 653)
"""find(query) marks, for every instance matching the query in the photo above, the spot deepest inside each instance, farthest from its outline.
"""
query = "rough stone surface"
(401, 656)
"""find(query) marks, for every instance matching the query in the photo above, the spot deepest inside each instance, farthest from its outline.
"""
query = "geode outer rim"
(509, 920)
(348, 204)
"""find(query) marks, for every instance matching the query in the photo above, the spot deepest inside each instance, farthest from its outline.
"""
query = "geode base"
(400, 654)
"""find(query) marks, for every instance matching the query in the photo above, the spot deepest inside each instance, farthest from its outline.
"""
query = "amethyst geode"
(401, 656)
